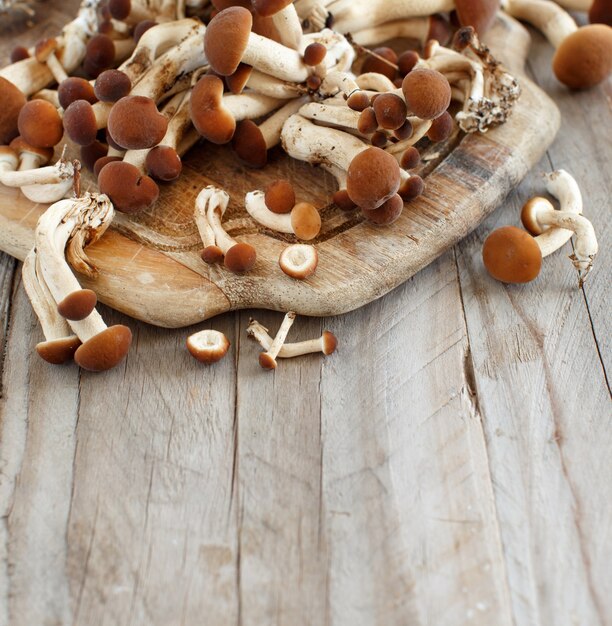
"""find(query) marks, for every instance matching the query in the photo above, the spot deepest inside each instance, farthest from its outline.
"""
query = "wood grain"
(359, 262)
(448, 466)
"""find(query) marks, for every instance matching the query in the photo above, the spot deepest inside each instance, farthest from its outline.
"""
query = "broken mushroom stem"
(60, 342)
(267, 359)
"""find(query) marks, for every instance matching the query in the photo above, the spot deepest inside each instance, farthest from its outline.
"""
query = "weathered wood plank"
(542, 389)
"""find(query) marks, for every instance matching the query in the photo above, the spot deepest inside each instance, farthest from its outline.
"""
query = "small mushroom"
(60, 343)
(74, 88)
(30, 157)
(39, 124)
(326, 344)
(45, 53)
(299, 260)
(427, 93)
(208, 346)
(285, 19)
(229, 41)
(304, 221)
(280, 196)
(267, 359)
(112, 85)
(512, 255)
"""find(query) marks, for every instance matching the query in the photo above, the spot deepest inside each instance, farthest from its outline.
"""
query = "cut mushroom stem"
(75, 223)
(553, 228)
(267, 359)
(60, 343)
(326, 344)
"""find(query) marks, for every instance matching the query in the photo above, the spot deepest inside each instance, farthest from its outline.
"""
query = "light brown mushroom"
(299, 260)
(39, 124)
(267, 359)
(511, 255)
(208, 346)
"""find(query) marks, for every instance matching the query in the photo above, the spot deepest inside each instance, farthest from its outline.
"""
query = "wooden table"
(449, 465)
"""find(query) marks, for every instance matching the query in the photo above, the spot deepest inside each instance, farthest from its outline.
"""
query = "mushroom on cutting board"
(299, 260)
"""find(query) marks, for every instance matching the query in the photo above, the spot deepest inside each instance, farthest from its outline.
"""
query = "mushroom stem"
(325, 344)
(273, 87)
(289, 26)
(548, 17)
(267, 359)
(74, 223)
(567, 221)
(410, 28)
(62, 170)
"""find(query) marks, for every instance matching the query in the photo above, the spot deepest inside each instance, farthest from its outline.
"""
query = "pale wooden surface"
(449, 465)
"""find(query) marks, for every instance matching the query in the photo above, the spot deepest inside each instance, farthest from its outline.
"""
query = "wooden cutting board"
(150, 266)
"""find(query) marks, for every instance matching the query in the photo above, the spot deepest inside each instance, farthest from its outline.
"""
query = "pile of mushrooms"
(136, 83)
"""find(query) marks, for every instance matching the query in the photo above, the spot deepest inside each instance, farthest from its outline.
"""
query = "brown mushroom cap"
(379, 139)
(387, 213)
(101, 162)
(39, 124)
(372, 178)
(305, 221)
(80, 123)
(358, 101)
(19, 53)
(390, 111)
(208, 346)
(22, 147)
(112, 85)
(299, 260)
(314, 54)
(404, 131)
(226, 39)
(441, 128)
(120, 9)
(99, 55)
(44, 48)
(92, 153)
(411, 188)
(329, 342)
(601, 12)
(238, 80)
(249, 144)
(104, 350)
(268, 8)
(128, 189)
(512, 255)
(141, 28)
(240, 258)
(406, 61)
(341, 199)
(529, 213)
(280, 196)
(427, 93)
(313, 82)
(479, 14)
(374, 64)
(74, 88)
(266, 361)
(134, 123)
(163, 163)
(12, 101)
(212, 254)
(410, 158)
(78, 304)
(367, 122)
(210, 118)
(58, 351)
(584, 58)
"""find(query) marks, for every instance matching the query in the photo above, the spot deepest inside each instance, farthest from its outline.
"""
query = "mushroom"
(215, 116)
(427, 93)
(45, 53)
(229, 41)
(134, 123)
(30, 157)
(304, 221)
(238, 257)
(12, 101)
(74, 88)
(63, 171)
(512, 255)
(129, 12)
(299, 260)
(267, 359)
(285, 19)
(208, 346)
(252, 142)
(280, 196)
(39, 124)
(75, 223)
(112, 85)
(583, 56)
(326, 344)
(60, 343)
(82, 121)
